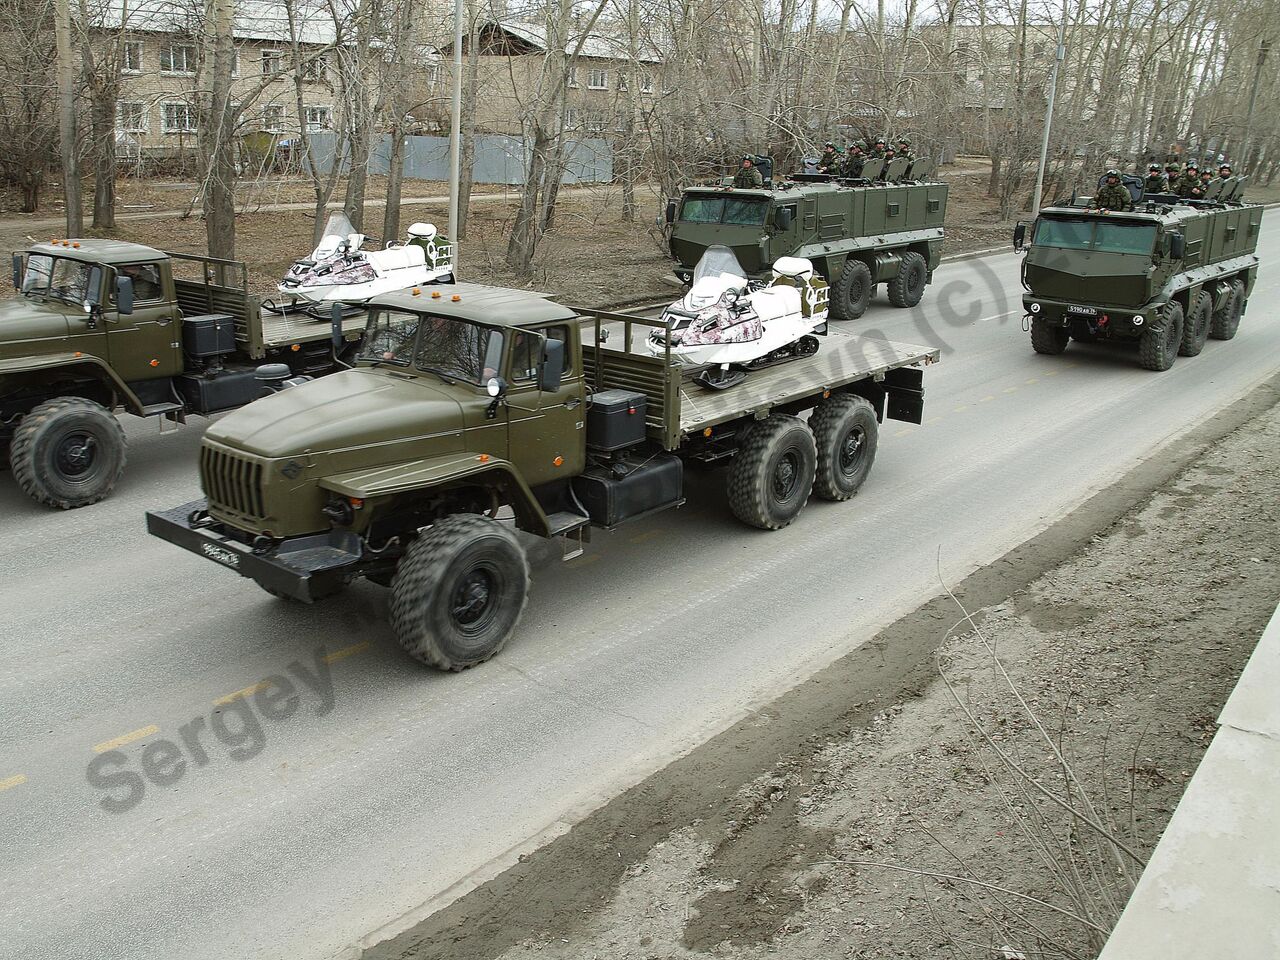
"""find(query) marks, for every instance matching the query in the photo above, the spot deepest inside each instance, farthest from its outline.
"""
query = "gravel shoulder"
(803, 830)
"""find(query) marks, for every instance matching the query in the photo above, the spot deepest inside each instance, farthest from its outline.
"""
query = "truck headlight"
(1138, 320)
(1035, 308)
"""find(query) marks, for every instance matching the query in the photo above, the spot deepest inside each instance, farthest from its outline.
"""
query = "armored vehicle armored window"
(734, 210)
(1104, 237)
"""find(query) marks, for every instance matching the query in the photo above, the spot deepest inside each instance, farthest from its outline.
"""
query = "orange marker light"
(79, 354)
(706, 432)
(455, 298)
(416, 291)
(355, 502)
(825, 394)
(435, 294)
(76, 245)
(558, 461)
(155, 363)
(483, 458)
(296, 347)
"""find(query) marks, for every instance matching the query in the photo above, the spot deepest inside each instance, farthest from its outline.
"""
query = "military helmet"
(1226, 167)
(904, 142)
(1154, 168)
(880, 140)
(1172, 167)
(1193, 165)
(1113, 173)
(748, 158)
(828, 145)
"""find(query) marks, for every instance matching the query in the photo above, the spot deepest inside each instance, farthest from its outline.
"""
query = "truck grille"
(232, 482)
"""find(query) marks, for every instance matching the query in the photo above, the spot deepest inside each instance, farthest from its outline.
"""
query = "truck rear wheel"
(1046, 338)
(1158, 348)
(1195, 331)
(68, 453)
(458, 592)
(852, 291)
(907, 287)
(1227, 320)
(845, 431)
(772, 475)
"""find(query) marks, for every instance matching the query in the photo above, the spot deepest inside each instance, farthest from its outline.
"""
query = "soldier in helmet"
(1155, 181)
(1113, 195)
(748, 177)
(854, 161)
(829, 159)
(903, 151)
(1224, 171)
(1201, 188)
(879, 149)
(1189, 180)
(1172, 173)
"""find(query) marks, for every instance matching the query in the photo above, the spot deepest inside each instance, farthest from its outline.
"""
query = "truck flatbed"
(678, 406)
(283, 329)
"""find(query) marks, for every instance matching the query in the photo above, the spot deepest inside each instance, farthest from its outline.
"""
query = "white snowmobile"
(339, 270)
(727, 321)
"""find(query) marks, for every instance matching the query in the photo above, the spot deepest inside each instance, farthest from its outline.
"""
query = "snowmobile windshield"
(336, 230)
(718, 261)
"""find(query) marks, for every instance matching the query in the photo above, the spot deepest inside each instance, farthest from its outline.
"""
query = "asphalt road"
(294, 837)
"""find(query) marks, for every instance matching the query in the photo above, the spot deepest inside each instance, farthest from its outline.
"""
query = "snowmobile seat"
(794, 268)
(397, 258)
(424, 231)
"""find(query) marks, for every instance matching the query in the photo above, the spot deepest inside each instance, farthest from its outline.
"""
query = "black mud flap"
(307, 568)
(905, 389)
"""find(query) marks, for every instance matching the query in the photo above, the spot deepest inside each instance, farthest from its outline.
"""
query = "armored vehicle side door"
(145, 344)
(546, 426)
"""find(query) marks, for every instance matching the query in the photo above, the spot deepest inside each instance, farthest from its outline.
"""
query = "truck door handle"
(572, 403)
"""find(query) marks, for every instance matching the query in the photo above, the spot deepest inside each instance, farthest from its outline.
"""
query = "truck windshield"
(56, 277)
(735, 210)
(1104, 236)
(453, 349)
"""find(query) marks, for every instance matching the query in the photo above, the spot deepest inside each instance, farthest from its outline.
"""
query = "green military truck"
(857, 233)
(1168, 275)
(471, 416)
(102, 325)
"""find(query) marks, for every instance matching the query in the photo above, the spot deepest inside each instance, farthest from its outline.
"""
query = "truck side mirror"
(17, 271)
(124, 295)
(1020, 236)
(551, 370)
(784, 218)
(336, 333)
(93, 290)
(671, 211)
(1177, 246)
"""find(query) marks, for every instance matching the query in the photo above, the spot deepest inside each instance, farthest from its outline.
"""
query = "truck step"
(566, 522)
(170, 410)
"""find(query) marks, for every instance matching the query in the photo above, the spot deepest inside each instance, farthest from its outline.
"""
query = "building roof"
(255, 19)
(531, 37)
(479, 302)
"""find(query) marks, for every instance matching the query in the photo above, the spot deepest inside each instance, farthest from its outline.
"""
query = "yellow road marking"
(1032, 380)
(246, 692)
(126, 738)
(902, 433)
(15, 781)
(642, 537)
(1052, 373)
(961, 409)
(989, 397)
(1010, 389)
(932, 420)
(345, 652)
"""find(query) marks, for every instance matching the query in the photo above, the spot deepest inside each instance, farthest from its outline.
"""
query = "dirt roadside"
(1123, 627)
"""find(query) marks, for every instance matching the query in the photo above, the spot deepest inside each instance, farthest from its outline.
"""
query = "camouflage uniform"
(904, 151)
(878, 151)
(1155, 183)
(748, 177)
(1189, 180)
(854, 161)
(829, 159)
(1113, 196)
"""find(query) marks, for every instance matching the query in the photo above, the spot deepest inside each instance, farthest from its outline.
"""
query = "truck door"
(546, 429)
(146, 344)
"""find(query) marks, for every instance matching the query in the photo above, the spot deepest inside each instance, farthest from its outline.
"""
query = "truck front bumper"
(306, 568)
(1125, 321)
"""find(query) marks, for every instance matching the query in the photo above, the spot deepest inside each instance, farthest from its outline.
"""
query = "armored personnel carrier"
(856, 233)
(1169, 274)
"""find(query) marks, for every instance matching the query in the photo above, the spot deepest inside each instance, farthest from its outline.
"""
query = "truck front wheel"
(1158, 347)
(68, 453)
(772, 474)
(852, 291)
(1046, 338)
(907, 286)
(1195, 330)
(845, 431)
(458, 592)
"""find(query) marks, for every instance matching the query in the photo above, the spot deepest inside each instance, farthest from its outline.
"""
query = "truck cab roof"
(94, 250)
(479, 303)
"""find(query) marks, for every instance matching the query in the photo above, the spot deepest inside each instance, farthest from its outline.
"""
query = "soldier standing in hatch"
(1172, 174)
(854, 161)
(1155, 181)
(829, 159)
(1224, 171)
(1113, 195)
(1201, 188)
(904, 150)
(1189, 180)
(748, 177)
(877, 152)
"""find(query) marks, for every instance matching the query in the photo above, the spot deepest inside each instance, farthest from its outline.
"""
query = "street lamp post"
(1059, 54)
(455, 125)
(1263, 48)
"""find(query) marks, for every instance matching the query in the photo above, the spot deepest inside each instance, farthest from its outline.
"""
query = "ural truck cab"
(857, 233)
(1166, 275)
(473, 413)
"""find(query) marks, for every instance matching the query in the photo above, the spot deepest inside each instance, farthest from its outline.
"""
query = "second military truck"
(102, 325)
(474, 414)
(856, 233)
(1167, 276)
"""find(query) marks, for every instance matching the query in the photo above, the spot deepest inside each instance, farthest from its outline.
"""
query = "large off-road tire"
(458, 592)
(845, 431)
(1195, 331)
(772, 474)
(1226, 320)
(1158, 348)
(68, 453)
(907, 286)
(852, 291)
(1046, 338)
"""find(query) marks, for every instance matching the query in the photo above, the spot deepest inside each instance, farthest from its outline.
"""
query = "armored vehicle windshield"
(1102, 236)
(710, 208)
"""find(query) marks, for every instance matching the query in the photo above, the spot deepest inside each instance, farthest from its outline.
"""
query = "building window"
(131, 57)
(177, 58)
(573, 78)
(131, 116)
(179, 118)
(597, 79)
(571, 119)
(271, 62)
(596, 125)
(623, 81)
(317, 119)
(235, 62)
(317, 68)
(273, 118)
(646, 83)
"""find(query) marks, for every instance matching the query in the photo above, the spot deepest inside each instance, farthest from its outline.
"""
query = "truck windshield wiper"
(439, 373)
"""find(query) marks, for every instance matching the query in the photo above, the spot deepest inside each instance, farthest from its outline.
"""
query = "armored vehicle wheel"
(1158, 348)
(845, 431)
(458, 592)
(1195, 331)
(1227, 320)
(906, 289)
(1046, 338)
(852, 291)
(68, 453)
(772, 475)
